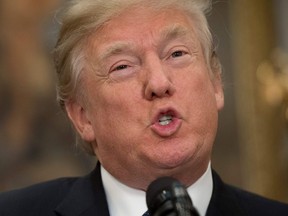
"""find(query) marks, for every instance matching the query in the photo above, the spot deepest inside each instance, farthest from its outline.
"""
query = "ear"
(218, 90)
(79, 117)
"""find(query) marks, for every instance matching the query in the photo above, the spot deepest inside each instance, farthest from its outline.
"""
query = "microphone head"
(167, 196)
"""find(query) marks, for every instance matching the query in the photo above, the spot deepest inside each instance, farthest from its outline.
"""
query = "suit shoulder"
(229, 200)
(37, 198)
(258, 205)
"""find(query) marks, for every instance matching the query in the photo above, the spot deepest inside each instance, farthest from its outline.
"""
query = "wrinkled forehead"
(167, 33)
(143, 27)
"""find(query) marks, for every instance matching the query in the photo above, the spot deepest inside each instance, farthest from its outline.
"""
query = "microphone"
(166, 196)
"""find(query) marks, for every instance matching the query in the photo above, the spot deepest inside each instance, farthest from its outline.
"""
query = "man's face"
(152, 107)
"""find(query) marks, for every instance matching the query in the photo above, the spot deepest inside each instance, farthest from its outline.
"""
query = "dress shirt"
(125, 201)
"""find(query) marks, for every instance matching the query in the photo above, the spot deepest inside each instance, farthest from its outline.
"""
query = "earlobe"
(78, 116)
(218, 89)
(220, 100)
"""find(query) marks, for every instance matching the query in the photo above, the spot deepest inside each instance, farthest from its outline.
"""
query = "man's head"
(141, 84)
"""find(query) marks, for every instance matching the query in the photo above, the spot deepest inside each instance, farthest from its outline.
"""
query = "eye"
(120, 67)
(178, 53)
(123, 69)
(179, 56)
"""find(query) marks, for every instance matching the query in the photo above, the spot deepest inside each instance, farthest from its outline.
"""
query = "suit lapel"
(86, 197)
(223, 201)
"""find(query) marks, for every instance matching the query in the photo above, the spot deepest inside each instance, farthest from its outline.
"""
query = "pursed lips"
(166, 122)
(162, 113)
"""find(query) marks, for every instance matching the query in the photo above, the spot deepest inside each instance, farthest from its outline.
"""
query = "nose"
(158, 81)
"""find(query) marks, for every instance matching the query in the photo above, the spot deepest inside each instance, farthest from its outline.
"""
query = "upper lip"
(165, 110)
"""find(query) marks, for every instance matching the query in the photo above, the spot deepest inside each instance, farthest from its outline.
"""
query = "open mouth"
(165, 119)
(166, 122)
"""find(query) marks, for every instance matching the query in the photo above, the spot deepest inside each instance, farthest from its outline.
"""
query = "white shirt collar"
(201, 191)
(126, 201)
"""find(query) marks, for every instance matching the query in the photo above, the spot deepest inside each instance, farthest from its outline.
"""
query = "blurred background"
(37, 142)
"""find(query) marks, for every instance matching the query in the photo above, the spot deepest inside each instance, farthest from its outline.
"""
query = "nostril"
(160, 94)
(157, 89)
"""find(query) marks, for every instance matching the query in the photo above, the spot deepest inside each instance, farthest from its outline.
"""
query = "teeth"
(165, 120)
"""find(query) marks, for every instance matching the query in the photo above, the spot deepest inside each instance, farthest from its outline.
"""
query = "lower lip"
(167, 130)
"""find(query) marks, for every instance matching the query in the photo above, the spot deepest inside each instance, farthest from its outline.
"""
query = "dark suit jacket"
(85, 196)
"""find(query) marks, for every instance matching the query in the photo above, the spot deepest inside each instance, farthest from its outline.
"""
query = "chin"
(173, 161)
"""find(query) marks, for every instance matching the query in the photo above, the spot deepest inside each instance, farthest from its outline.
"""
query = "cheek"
(114, 112)
(198, 94)
(197, 88)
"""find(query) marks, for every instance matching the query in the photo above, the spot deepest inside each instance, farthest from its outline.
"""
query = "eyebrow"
(115, 49)
(169, 33)
(174, 31)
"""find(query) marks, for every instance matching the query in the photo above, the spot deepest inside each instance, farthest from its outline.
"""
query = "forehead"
(142, 24)
(148, 17)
